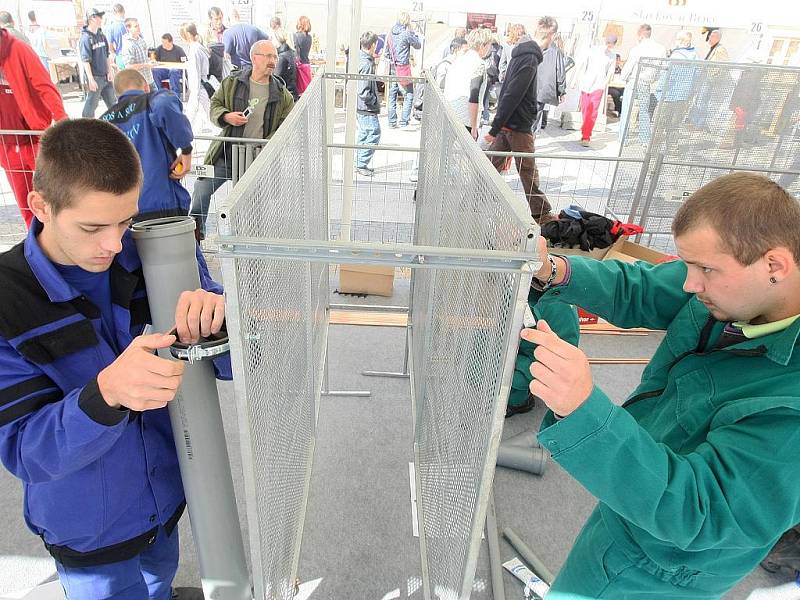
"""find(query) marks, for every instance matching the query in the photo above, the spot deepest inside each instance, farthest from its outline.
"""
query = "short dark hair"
(82, 155)
(214, 10)
(368, 38)
(457, 44)
(6, 18)
(751, 214)
(31, 16)
(167, 36)
(118, 9)
(275, 23)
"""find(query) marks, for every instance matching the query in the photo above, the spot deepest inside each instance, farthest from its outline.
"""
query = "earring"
(773, 281)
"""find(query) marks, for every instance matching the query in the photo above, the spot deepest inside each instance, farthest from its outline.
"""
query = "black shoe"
(519, 409)
(187, 593)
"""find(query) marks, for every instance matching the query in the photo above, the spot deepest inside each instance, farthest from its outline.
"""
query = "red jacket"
(37, 100)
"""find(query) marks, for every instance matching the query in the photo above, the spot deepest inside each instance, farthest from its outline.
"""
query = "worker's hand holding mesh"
(198, 314)
(562, 377)
(140, 380)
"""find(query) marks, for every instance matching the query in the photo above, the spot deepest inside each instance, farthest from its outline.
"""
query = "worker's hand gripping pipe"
(167, 248)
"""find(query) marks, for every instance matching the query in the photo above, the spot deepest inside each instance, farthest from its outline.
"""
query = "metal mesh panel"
(692, 121)
(462, 321)
(279, 320)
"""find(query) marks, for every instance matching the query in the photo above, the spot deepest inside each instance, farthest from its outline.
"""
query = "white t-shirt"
(466, 69)
(597, 69)
(647, 47)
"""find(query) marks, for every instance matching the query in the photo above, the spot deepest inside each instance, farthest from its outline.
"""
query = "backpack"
(216, 61)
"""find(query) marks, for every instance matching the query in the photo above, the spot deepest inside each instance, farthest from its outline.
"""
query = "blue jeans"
(369, 132)
(147, 576)
(407, 91)
(105, 88)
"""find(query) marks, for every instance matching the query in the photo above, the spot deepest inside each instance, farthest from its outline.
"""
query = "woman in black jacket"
(286, 68)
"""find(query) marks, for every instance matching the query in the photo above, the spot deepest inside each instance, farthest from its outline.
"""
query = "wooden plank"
(618, 361)
(365, 317)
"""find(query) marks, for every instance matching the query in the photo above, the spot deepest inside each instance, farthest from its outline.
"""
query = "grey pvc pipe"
(526, 439)
(495, 563)
(167, 249)
(537, 566)
(532, 460)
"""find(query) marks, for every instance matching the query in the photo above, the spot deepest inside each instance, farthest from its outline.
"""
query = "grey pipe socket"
(167, 248)
(532, 460)
(526, 439)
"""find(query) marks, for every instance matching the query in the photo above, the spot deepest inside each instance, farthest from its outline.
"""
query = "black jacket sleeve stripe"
(26, 388)
(28, 406)
(48, 347)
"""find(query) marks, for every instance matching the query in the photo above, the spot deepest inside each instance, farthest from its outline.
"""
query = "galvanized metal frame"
(514, 265)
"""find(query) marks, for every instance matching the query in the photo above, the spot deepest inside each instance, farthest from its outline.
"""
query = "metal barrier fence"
(471, 255)
(692, 121)
(17, 158)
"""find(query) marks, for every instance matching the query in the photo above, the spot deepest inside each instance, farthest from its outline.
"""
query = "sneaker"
(586, 143)
(519, 409)
(402, 125)
(392, 125)
(365, 171)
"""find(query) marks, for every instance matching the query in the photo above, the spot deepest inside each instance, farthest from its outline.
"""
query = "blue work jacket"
(157, 127)
(98, 481)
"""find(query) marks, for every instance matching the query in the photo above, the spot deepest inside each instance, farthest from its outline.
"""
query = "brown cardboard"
(366, 279)
(631, 252)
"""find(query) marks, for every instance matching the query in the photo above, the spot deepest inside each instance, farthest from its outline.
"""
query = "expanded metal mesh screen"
(465, 324)
(277, 313)
(687, 117)
(462, 324)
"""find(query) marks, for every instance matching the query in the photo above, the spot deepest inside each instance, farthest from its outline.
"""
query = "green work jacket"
(698, 474)
(563, 319)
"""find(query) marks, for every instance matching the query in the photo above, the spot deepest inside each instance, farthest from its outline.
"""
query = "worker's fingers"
(543, 335)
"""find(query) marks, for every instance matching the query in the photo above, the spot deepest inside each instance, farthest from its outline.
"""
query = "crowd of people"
(678, 472)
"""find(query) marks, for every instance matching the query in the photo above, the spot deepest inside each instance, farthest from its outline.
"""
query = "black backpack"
(216, 60)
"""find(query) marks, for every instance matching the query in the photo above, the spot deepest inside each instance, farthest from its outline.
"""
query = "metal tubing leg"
(167, 250)
(325, 386)
(537, 566)
(404, 374)
(495, 562)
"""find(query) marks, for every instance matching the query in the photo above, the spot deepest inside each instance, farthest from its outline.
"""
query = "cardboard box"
(631, 252)
(366, 279)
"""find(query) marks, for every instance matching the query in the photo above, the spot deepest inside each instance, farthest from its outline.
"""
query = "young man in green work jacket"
(697, 474)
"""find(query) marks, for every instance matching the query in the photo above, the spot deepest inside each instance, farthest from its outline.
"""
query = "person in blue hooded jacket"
(397, 50)
(83, 419)
(162, 135)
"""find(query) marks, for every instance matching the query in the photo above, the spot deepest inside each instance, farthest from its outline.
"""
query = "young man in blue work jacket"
(697, 473)
(83, 419)
(162, 135)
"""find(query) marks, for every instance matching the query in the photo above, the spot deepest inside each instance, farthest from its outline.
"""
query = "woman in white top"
(198, 105)
(466, 80)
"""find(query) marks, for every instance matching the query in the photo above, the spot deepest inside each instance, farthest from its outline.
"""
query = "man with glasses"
(250, 103)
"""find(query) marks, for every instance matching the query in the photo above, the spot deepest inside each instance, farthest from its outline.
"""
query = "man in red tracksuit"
(28, 101)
